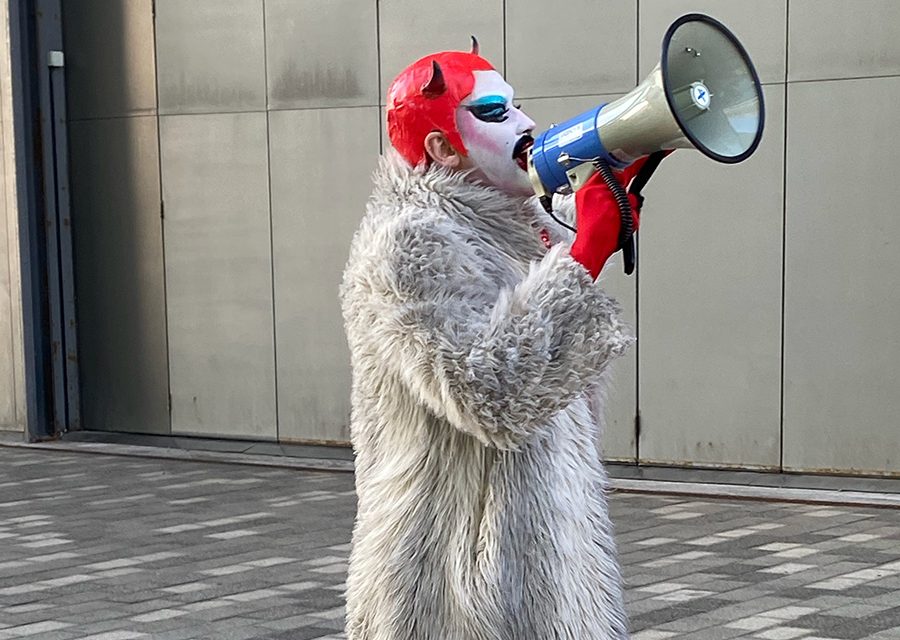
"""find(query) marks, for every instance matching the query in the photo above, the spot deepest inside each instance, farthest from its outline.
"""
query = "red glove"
(598, 220)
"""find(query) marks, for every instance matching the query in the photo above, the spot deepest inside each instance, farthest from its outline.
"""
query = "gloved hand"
(598, 221)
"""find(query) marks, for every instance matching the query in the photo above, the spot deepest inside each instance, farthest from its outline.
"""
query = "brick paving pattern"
(110, 548)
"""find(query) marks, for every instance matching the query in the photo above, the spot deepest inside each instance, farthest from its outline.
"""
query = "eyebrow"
(488, 100)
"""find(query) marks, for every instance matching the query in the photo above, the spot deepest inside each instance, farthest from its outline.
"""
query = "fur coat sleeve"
(495, 347)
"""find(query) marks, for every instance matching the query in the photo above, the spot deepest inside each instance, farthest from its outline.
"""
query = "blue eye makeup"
(489, 109)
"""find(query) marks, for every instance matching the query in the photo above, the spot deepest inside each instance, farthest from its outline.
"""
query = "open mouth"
(520, 151)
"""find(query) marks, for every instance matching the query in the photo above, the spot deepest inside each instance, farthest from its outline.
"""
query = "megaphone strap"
(643, 175)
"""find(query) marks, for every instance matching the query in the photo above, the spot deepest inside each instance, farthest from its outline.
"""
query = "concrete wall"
(12, 388)
(765, 295)
(225, 148)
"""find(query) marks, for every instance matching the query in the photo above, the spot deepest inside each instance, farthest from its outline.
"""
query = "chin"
(521, 187)
(512, 184)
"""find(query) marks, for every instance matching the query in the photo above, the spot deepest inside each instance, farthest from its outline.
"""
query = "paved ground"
(112, 548)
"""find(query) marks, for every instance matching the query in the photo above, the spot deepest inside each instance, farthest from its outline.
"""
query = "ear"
(441, 152)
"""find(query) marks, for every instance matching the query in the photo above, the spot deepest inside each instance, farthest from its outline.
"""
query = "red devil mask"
(425, 96)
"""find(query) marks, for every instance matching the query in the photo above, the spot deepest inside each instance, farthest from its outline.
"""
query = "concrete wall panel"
(309, 61)
(842, 354)
(759, 25)
(410, 29)
(316, 207)
(709, 294)
(210, 55)
(7, 292)
(597, 58)
(219, 274)
(830, 39)
(110, 63)
(119, 274)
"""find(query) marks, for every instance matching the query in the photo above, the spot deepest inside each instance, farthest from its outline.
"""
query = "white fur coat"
(482, 509)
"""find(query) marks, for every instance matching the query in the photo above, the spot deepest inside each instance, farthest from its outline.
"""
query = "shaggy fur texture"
(482, 509)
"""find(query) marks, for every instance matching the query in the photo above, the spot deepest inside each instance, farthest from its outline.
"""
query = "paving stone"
(150, 549)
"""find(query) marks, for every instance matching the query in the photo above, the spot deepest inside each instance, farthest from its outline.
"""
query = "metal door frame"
(52, 394)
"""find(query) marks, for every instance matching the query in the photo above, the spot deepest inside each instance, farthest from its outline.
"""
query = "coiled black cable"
(626, 213)
(626, 229)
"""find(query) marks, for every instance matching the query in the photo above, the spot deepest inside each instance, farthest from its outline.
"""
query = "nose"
(526, 124)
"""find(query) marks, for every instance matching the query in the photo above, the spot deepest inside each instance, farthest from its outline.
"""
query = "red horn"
(475, 47)
(436, 86)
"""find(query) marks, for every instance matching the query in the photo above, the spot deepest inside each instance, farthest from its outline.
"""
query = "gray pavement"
(112, 548)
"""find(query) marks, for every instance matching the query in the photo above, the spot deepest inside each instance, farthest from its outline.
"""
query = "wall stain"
(197, 93)
(295, 84)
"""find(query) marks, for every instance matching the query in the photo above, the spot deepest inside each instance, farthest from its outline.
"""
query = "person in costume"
(480, 343)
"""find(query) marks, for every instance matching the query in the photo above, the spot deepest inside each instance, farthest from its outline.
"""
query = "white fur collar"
(510, 221)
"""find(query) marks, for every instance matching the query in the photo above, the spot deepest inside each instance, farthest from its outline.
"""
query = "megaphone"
(703, 94)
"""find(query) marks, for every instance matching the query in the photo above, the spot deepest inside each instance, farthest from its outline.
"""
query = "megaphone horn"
(703, 94)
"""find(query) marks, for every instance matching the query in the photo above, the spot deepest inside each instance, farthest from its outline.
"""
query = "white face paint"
(490, 126)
